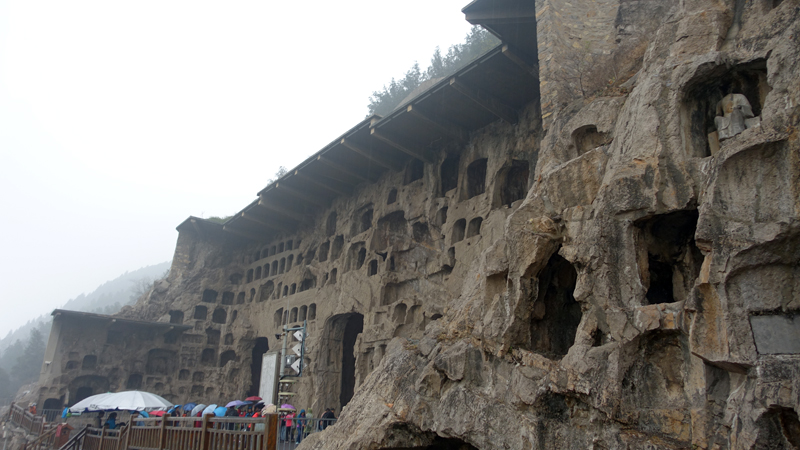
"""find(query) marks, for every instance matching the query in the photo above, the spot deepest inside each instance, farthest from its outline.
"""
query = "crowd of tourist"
(294, 425)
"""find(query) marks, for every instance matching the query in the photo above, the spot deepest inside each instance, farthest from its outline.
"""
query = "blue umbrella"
(171, 410)
(189, 406)
(144, 414)
(220, 411)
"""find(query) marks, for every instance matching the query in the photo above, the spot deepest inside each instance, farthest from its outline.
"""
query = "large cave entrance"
(339, 356)
(409, 437)
(353, 327)
(260, 346)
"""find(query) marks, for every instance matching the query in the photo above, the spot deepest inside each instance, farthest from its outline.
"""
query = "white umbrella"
(127, 400)
(89, 403)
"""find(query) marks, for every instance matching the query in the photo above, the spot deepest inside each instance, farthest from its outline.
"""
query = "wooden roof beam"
(440, 123)
(261, 222)
(485, 101)
(412, 151)
(318, 181)
(244, 234)
(519, 60)
(370, 155)
(342, 169)
(280, 210)
(300, 195)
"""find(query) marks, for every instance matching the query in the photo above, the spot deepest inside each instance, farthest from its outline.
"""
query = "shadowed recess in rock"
(669, 261)
(555, 314)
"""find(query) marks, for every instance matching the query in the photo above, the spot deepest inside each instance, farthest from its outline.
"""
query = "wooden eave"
(513, 21)
(495, 86)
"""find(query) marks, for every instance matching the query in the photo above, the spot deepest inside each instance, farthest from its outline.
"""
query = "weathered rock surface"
(606, 272)
(674, 253)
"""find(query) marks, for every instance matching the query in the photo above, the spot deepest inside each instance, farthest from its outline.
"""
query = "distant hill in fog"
(108, 298)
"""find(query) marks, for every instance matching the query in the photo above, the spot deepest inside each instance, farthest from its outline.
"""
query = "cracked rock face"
(645, 293)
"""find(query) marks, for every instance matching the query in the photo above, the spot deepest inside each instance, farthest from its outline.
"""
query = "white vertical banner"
(268, 387)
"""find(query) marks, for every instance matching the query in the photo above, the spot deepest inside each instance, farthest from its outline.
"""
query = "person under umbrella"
(301, 422)
(111, 422)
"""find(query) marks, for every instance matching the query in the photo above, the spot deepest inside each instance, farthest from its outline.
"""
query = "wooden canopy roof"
(496, 85)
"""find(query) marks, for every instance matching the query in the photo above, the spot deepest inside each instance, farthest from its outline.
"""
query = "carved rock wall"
(610, 278)
(683, 265)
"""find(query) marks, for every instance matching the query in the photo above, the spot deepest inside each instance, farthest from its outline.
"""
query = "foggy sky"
(119, 120)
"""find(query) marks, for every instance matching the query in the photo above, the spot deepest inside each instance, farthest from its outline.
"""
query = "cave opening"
(778, 428)
(587, 138)
(83, 392)
(409, 437)
(474, 227)
(476, 178)
(459, 228)
(414, 171)
(555, 314)
(210, 296)
(391, 230)
(354, 325)
(336, 249)
(669, 260)
(323, 251)
(701, 105)
(260, 346)
(511, 183)
(176, 317)
(339, 355)
(449, 174)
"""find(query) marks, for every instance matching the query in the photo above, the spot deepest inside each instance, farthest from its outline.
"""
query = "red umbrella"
(254, 398)
(158, 413)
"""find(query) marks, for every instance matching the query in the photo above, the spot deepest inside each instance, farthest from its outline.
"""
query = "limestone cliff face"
(644, 294)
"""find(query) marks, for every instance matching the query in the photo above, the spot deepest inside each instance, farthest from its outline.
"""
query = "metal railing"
(292, 431)
(75, 442)
(51, 415)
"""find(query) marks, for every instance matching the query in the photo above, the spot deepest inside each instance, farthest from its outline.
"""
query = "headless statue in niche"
(734, 115)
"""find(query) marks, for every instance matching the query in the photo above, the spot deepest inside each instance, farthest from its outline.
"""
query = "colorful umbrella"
(235, 404)
(158, 413)
(197, 409)
(220, 411)
(287, 406)
(253, 398)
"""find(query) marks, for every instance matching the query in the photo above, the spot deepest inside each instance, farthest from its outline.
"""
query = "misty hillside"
(108, 298)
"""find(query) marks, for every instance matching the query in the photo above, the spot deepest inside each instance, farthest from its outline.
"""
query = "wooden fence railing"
(156, 433)
(184, 433)
(44, 441)
(33, 424)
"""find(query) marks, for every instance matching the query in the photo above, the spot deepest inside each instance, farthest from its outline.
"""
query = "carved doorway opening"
(339, 383)
(260, 346)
